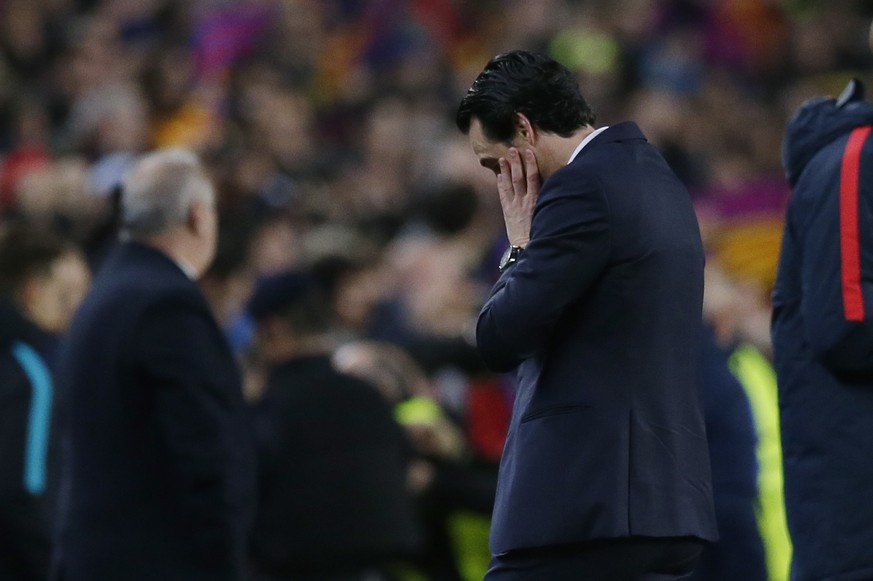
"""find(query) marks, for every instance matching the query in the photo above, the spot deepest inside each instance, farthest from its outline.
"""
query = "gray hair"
(159, 190)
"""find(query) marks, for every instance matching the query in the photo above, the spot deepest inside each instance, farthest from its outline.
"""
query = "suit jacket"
(158, 469)
(601, 317)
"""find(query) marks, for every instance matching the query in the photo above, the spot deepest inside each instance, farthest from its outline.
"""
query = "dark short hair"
(447, 207)
(544, 90)
(26, 251)
(295, 297)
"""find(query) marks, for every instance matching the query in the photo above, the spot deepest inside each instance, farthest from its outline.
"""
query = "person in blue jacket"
(823, 337)
(42, 280)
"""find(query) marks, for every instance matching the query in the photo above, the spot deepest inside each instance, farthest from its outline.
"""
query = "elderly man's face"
(202, 233)
(209, 231)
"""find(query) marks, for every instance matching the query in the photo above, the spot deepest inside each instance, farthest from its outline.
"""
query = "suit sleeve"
(182, 364)
(837, 268)
(568, 250)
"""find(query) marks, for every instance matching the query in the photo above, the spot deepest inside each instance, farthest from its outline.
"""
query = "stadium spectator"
(42, 281)
(730, 432)
(333, 499)
(453, 485)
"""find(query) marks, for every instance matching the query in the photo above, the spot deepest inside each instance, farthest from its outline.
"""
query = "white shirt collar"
(189, 270)
(585, 142)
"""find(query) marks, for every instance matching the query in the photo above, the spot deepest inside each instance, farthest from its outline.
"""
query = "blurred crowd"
(328, 129)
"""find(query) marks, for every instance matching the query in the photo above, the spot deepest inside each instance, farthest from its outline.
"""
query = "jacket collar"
(145, 255)
(619, 132)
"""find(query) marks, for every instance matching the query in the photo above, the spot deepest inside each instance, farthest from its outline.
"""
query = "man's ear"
(525, 129)
(196, 216)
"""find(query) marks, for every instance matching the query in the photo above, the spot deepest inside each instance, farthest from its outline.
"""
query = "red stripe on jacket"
(850, 243)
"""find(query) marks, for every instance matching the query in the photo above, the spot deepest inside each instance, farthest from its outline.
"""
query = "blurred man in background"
(823, 337)
(42, 281)
(333, 499)
(158, 473)
(606, 470)
(736, 311)
(730, 433)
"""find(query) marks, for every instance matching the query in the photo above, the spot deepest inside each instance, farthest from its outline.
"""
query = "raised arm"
(568, 250)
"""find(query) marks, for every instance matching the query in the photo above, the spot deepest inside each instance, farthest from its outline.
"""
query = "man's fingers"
(517, 176)
(517, 172)
(504, 166)
(532, 170)
(504, 185)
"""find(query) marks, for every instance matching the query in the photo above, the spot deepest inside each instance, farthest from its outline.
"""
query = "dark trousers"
(625, 559)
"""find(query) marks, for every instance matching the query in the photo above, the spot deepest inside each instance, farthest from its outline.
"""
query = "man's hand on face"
(518, 184)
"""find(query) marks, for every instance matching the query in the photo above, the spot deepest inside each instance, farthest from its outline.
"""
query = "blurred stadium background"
(328, 128)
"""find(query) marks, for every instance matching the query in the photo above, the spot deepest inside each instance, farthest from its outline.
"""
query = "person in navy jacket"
(158, 470)
(605, 473)
(823, 337)
(42, 280)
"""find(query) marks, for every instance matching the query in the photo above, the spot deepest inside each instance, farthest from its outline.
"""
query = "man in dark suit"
(605, 473)
(333, 500)
(158, 472)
